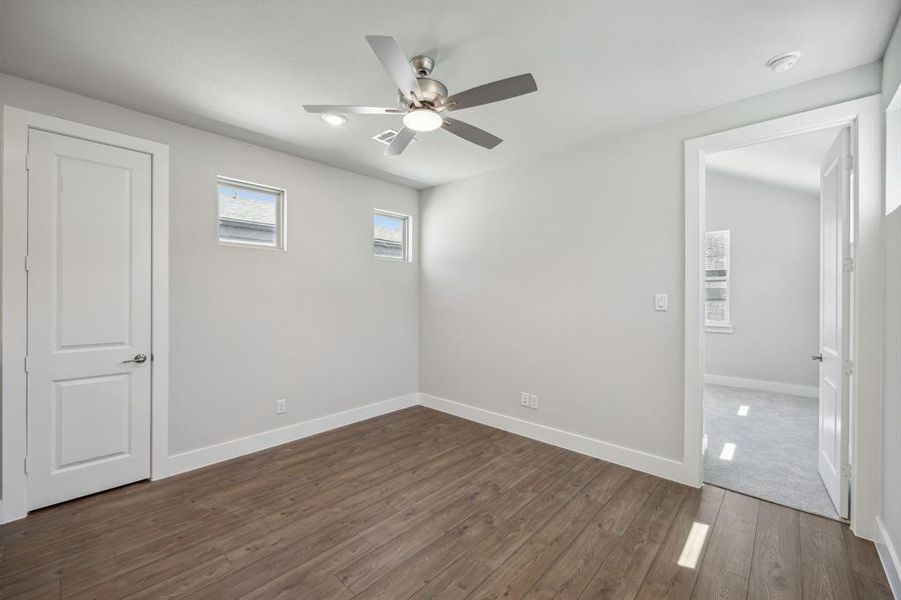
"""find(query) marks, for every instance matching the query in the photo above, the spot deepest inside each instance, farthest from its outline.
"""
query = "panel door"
(835, 296)
(89, 300)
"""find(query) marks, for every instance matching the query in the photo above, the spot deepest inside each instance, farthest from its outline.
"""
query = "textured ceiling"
(245, 68)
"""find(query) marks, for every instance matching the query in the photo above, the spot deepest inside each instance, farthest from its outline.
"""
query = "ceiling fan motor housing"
(433, 92)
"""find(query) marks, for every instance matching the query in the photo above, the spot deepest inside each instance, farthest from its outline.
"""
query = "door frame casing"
(863, 117)
(16, 124)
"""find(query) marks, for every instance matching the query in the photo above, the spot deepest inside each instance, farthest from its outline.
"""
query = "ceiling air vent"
(385, 137)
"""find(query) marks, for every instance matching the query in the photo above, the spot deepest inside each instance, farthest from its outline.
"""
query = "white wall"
(323, 324)
(891, 406)
(540, 277)
(774, 281)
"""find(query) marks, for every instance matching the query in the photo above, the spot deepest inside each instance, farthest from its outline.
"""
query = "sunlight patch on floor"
(694, 543)
(728, 451)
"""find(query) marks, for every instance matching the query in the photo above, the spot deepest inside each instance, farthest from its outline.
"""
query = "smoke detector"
(783, 62)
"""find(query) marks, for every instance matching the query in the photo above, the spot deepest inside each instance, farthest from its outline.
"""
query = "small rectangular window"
(391, 236)
(716, 281)
(251, 214)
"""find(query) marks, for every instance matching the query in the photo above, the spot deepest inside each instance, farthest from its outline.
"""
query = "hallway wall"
(774, 281)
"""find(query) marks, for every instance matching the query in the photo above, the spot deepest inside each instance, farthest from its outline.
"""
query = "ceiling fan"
(424, 102)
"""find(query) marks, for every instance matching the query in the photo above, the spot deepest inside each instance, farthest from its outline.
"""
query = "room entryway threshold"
(764, 445)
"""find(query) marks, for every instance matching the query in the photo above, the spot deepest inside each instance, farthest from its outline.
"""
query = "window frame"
(720, 326)
(281, 214)
(408, 235)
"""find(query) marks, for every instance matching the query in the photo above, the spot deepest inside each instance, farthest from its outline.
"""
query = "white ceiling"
(244, 68)
(792, 162)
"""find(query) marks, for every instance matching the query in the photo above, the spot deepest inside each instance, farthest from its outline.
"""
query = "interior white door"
(89, 237)
(835, 306)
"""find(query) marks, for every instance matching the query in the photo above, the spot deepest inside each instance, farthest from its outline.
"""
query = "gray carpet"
(773, 447)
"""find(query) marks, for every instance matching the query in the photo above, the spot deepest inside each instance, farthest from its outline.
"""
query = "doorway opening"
(772, 236)
(857, 383)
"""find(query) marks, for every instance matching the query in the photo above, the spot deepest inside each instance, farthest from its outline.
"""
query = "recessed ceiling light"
(334, 119)
(783, 62)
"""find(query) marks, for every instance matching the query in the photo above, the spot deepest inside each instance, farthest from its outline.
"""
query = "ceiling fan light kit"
(424, 102)
(423, 119)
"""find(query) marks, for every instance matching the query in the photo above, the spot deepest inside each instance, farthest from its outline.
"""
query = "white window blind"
(716, 279)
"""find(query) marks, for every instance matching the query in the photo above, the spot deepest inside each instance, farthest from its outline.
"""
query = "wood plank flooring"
(419, 504)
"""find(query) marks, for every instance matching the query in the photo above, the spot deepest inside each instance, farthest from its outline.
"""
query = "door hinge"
(27, 265)
(27, 162)
(26, 364)
(848, 367)
(848, 265)
(846, 470)
(26, 465)
(849, 162)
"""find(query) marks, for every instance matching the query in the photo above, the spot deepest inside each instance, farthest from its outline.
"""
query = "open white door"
(835, 310)
(89, 276)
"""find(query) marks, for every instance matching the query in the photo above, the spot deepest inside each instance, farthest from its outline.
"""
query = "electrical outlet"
(533, 401)
(525, 399)
(281, 406)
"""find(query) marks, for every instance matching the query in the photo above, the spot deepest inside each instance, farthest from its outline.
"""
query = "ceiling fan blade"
(400, 142)
(396, 64)
(492, 92)
(471, 133)
(350, 110)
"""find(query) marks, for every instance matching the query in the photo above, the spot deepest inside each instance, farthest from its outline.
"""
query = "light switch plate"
(660, 302)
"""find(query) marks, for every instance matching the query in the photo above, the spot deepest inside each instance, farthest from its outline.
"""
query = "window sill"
(231, 244)
(718, 328)
(393, 260)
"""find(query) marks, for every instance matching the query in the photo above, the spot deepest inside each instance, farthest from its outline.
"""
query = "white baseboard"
(634, 459)
(888, 554)
(807, 391)
(208, 455)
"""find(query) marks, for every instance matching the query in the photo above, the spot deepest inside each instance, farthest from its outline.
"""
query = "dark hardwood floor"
(419, 504)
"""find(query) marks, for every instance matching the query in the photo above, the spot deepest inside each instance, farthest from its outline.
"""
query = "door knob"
(817, 357)
(139, 358)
